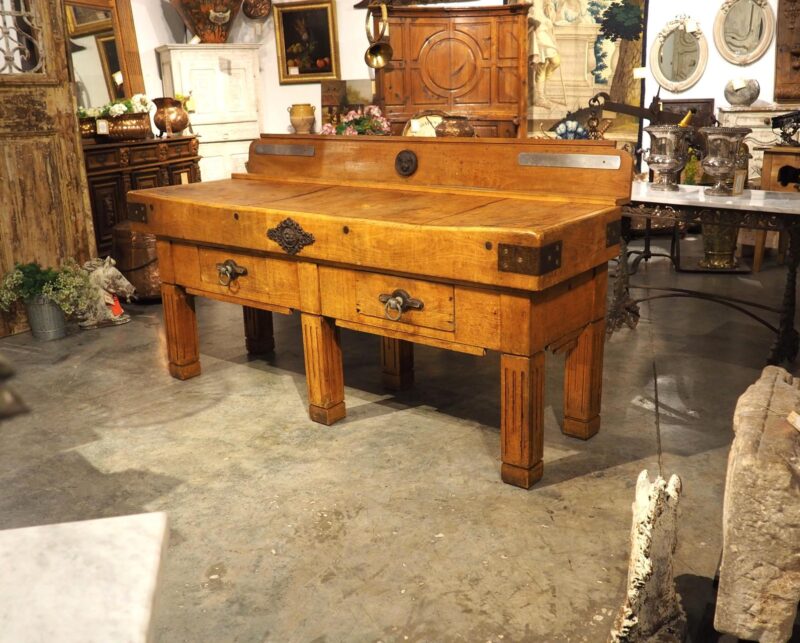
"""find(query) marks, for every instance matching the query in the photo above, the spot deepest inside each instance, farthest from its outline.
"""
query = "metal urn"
(722, 149)
(668, 153)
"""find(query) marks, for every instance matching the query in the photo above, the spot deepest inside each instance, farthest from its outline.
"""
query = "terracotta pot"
(170, 117)
(129, 127)
(302, 117)
(210, 20)
(455, 126)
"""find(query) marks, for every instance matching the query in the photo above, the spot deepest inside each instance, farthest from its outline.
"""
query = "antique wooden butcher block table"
(465, 244)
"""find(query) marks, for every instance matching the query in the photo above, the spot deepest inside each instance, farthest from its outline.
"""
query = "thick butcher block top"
(516, 214)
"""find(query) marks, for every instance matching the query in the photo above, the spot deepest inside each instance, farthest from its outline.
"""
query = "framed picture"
(109, 60)
(703, 109)
(308, 51)
(87, 20)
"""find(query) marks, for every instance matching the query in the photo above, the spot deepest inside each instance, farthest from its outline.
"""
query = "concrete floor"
(393, 524)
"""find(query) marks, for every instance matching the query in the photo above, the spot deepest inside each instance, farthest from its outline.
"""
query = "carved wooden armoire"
(470, 61)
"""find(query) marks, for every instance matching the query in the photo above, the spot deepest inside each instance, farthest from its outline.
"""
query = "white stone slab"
(90, 581)
(694, 195)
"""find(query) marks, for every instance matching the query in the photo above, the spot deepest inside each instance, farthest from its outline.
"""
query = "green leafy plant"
(68, 287)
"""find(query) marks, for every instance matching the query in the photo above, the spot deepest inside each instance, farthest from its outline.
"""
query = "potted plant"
(49, 295)
(129, 118)
(357, 122)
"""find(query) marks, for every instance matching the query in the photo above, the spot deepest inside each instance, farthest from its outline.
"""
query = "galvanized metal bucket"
(46, 319)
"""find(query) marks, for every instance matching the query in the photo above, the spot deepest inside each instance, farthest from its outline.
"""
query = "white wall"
(719, 71)
(157, 23)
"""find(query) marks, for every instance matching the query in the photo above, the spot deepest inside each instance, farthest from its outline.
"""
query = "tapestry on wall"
(578, 48)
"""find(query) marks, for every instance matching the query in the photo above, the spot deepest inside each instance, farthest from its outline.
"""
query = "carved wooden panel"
(787, 55)
(108, 208)
(44, 204)
(469, 61)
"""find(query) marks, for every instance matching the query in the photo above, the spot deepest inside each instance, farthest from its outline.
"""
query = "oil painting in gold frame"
(306, 36)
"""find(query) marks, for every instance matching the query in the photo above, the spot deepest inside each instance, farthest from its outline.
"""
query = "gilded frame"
(102, 41)
(763, 44)
(313, 25)
(77, 28)
(682, 22)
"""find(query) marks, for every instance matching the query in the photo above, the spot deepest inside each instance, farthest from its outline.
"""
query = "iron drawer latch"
(229, 272)
(397, 303)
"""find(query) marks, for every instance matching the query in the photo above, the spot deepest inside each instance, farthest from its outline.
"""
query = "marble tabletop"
(694, 195)
(89, 581)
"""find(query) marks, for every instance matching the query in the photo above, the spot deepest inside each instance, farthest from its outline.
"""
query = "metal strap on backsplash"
(578, 161)
(277, 149)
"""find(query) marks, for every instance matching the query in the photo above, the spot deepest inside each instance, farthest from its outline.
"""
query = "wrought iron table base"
(624, 309)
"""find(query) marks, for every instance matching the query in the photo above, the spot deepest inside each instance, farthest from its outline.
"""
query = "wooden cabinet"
(114, 168)
(223, 80)
(781, 169)
(469, 61)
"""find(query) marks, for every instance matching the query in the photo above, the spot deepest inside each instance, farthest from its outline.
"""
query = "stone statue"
(109, 285)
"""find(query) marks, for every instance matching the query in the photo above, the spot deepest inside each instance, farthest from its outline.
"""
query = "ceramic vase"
(210, 20)
(170, 117)
(302, 117)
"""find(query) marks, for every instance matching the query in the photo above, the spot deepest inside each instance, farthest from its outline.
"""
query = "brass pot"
(301, 116)
(170, 117)
(719, 246)
(88, 127)
(129, 127)
(455, 126)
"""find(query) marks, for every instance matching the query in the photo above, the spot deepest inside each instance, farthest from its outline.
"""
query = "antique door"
(44, 205)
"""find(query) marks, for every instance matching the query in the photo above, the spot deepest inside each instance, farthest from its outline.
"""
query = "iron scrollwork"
(290, 236)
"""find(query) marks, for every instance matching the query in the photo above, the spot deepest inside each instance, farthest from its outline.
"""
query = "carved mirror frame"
(125, 34)
(674, 25)
(763, 44)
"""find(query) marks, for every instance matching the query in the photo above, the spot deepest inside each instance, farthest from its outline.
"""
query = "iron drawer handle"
(397, 303)
(229, 272)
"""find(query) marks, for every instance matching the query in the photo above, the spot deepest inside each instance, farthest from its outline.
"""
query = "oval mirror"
(679, 55)
(743, 30)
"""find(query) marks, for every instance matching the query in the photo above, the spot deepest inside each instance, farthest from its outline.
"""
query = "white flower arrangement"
(136, 104)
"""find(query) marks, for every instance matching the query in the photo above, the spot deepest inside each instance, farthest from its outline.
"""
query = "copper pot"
(170, 117)
(455, 126)
(210, 20)
(128, 127)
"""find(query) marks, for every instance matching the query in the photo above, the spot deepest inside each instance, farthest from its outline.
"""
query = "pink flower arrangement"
(368, 121)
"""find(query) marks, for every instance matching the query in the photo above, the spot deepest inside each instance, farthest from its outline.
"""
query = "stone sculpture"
(109, 284)
(759, 578)
(652, 611)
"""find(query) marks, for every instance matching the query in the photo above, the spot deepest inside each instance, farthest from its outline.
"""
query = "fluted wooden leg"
(323, 357)
(583, 382)
(258, 336)
(522, 418)
(180, 324)
(397, 362)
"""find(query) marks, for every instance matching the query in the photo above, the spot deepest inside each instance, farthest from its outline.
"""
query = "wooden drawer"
(355, 296)
(269, 281)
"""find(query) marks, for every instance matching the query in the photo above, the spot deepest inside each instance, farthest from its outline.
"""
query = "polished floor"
(391, 525)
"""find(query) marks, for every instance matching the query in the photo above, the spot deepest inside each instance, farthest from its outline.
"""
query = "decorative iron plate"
(290, 236)
(527, 260)
(406, 163)
(137, 212)
(613, 232)
(578, 161)
(273, 149)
